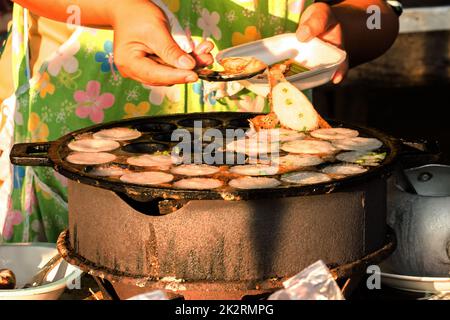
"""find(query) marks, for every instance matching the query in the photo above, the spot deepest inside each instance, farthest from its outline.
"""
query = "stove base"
(117, 285)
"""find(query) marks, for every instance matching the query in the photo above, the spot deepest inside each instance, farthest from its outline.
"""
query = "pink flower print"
(30, 199)
(64, 58)
(60, 178)
(158, 93)
(91, 102)
(208, 22)
(13, 218)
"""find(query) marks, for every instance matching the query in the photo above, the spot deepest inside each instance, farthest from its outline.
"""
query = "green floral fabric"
(80, 86)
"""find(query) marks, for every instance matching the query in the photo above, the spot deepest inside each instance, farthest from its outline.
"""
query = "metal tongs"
(39, 278)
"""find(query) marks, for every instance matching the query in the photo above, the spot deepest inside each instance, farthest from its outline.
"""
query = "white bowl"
(413, 283)
(25, 260)
(321, 58)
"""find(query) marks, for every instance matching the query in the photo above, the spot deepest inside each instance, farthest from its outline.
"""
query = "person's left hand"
(319, 21)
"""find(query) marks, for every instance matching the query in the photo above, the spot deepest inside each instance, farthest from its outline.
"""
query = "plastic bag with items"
(314, 283)
(154, 295)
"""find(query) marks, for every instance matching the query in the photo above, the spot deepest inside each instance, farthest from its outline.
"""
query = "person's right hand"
(141, 30)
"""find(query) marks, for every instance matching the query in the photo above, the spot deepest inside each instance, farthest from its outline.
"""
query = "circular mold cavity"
(143, 147)
(167, 137)
(107, 171)
(163, 137)
(189, 151)
(193, 147)
(206, 123)
(225, 158)
(239, 123)
(156, 127)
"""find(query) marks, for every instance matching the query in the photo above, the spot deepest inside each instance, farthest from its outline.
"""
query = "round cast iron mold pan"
(52, 154)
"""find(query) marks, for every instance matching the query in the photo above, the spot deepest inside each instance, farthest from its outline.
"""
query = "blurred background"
(5, 16)
(406, 92)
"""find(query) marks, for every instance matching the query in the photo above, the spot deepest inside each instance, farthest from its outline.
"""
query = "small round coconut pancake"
(362, 158)
(248, 183)
(198, 184)
(109, 171)
(344, 169)
(308, 147)
(274, 135)
(262, 148)
(255, 170)
(239, 65)
(252, 146)
(358, 144)
(93, 145)
(194, 170)
(292, 136)
(306, 177)
(334, 133)
(299, 160)
(90, 158)
(151, 160)
(147, 178)
(118, 134)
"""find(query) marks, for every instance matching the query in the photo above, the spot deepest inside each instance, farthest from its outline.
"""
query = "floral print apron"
(79, 86)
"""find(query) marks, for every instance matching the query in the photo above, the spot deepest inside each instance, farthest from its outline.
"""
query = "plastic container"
(25, 260)
(321, 58)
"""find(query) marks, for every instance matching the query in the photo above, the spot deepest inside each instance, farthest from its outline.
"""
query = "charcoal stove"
(215, 244)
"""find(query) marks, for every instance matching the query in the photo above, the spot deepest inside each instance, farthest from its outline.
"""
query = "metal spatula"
(220, 76)
(212, 75)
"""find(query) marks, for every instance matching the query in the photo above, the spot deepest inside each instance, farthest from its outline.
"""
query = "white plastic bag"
(313, 283)
(154, 295)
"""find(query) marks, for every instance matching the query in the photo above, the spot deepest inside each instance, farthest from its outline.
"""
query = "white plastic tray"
(322, 58)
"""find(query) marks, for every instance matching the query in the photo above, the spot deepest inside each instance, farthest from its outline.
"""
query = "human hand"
(319, 21)
(141, 30)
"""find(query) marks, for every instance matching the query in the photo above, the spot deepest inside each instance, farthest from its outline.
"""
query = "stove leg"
(107, 289)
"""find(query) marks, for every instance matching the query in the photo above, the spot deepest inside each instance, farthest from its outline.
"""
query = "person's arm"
(344, 23)
(362, 43)
(93, 12)
(140, 29)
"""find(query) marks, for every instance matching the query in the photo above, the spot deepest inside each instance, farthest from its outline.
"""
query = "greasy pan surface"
(157, 129)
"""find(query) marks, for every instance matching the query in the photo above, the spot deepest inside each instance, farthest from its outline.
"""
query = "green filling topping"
(371, 157)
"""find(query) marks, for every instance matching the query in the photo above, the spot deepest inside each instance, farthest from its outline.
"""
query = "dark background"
(405, 93)
(423, 3)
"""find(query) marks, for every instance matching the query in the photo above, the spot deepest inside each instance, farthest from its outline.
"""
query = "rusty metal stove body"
(221, 249)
